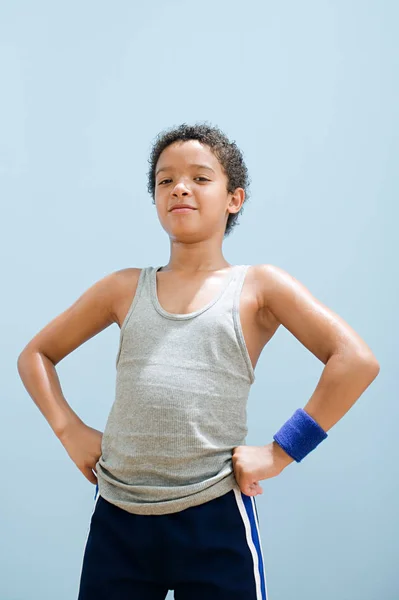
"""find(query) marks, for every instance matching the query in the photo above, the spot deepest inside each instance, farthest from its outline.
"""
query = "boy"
(175, 482)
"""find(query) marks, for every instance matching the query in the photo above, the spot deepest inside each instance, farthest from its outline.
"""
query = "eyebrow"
(193, 165)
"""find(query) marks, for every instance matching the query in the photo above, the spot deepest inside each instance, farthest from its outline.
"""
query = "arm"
(350, 365)
(90, 314)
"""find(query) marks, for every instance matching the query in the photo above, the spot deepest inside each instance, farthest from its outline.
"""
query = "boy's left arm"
(350, 365)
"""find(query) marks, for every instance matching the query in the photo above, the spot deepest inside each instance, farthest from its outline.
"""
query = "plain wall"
(309, 91)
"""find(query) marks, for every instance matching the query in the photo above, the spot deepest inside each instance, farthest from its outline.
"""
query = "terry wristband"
(300, 435)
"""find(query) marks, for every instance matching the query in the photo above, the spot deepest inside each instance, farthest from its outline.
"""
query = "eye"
(203, 178)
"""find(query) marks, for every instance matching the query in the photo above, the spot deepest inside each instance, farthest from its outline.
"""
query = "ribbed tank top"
(180, 407)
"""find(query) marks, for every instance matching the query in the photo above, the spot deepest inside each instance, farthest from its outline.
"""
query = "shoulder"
(315, 325)
(269, 282)
(126, 276)
(124, 285)
(280, 297)
(94, 310)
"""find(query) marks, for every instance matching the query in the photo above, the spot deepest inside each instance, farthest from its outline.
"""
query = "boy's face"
(179, 180)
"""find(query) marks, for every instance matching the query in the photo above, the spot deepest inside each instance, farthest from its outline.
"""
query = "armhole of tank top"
(237, 323)
(129, 312)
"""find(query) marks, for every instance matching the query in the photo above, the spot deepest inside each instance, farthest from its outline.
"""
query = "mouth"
(182, 209)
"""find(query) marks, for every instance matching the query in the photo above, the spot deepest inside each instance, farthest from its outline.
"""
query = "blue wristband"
(300, 435)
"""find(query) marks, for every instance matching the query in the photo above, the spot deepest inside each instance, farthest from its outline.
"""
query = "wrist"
(280, 455)
(299, 435)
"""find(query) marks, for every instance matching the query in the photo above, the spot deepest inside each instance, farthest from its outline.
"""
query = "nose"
(181, 190)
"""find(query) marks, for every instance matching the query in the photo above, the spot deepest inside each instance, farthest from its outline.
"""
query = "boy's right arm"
(91, 313)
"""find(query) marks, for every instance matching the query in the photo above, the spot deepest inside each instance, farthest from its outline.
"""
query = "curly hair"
(228, 154)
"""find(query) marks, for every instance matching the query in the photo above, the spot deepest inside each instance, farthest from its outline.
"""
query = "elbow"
(20, 361)
(375, 367)
(27, 351)
(369, 364)
(359, 360)
(22, 356)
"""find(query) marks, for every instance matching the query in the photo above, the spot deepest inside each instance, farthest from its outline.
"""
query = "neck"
(195, 257)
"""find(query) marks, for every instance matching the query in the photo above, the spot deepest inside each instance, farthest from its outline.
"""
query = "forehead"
(180, 154)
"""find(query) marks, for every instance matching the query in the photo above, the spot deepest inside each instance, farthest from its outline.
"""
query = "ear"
(236, 201)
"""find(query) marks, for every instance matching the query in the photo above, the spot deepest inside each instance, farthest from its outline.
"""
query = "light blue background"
(309, 91)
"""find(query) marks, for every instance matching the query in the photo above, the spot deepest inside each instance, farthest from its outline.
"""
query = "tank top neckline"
(184, 316)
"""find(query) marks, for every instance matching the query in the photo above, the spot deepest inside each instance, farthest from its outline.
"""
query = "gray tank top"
(180, 405)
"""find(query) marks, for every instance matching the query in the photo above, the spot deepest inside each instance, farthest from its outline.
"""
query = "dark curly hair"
(226, 151)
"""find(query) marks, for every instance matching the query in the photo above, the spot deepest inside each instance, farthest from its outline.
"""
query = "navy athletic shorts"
(211, 551)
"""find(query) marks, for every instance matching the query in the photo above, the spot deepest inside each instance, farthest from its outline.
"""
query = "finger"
(254, 485)
(255, 489)
(88, 473)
